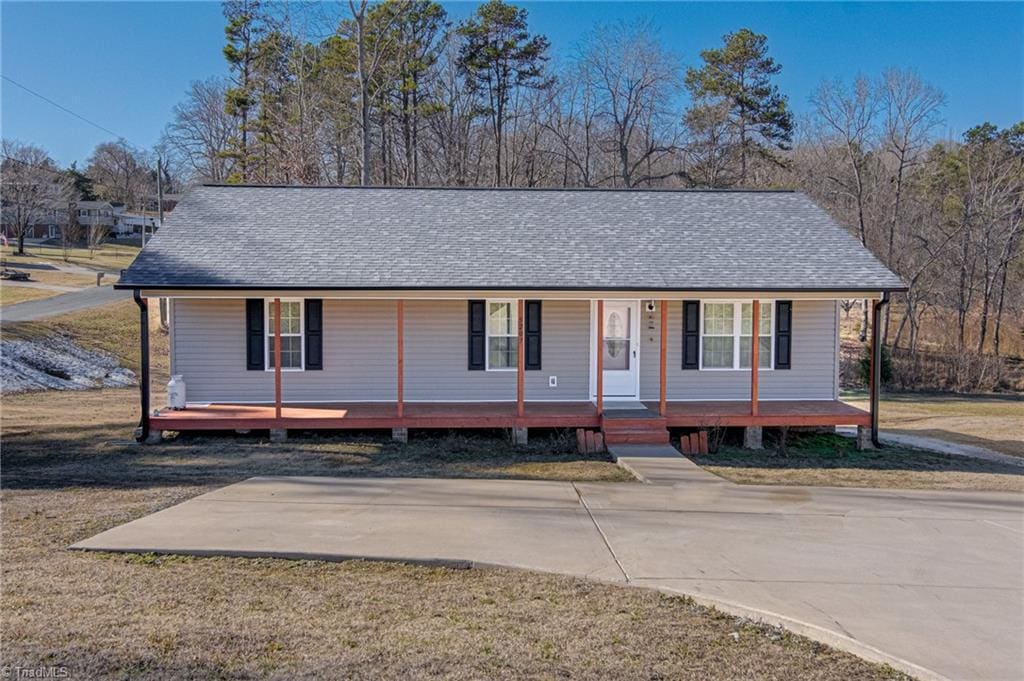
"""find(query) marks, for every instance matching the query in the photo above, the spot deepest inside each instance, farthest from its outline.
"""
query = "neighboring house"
(629, 311)
(45, 224)
(98, 213)
(128, 223)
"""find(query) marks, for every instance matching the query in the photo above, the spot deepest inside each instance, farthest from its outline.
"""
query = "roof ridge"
(636, 190)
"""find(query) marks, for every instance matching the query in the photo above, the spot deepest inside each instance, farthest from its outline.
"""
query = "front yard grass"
(69, 473)
(832, 460)
(132, 616)
(990, 421)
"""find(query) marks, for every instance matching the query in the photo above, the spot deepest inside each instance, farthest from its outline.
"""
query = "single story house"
(630, 311)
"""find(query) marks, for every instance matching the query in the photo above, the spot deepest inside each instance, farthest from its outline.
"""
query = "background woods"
(398, 93)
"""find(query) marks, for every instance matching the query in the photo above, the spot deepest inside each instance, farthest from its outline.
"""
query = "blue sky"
(125, 64)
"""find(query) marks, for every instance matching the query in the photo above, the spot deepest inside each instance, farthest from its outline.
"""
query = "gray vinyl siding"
(359, 350)
(436, 355)
(813, 376)
(360, 355)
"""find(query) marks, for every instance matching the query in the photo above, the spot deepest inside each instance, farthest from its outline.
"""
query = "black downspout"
(143, 364)
(876, 365)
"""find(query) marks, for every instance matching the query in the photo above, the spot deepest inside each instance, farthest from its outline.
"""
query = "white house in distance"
(628, 311)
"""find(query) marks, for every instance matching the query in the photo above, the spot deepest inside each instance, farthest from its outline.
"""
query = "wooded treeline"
(396, 93)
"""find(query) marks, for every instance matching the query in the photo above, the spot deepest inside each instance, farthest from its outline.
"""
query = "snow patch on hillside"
(57, 363)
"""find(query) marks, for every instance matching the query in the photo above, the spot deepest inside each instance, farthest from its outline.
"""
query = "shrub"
(865, 365)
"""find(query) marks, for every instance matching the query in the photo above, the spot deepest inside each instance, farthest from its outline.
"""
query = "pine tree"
(498, 56)
(739, 75)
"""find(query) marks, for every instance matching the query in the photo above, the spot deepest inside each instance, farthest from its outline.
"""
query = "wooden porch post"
(277, 358)
(755, 353)
(400, 320)
(600, 357)
(662, 361)
(520, 360)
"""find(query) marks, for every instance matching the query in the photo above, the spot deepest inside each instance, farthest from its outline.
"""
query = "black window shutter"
(531, 335)
(314, 334)
(783, 333)
(254, 336)
(691, 334)
(477, 335)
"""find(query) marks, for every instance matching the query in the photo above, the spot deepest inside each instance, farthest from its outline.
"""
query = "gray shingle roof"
(365, 238)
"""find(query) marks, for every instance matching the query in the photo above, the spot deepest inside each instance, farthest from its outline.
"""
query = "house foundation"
(278, 434)
(520, 436)
(400, 434)
(864, 439)
(753, 437)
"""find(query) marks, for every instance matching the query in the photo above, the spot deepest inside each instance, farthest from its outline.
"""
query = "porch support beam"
(520, 361)
(755, 353)
(875, 384)
(143, 365)
(663, 361)
(400, 331)
(600, 357)
(277, 358)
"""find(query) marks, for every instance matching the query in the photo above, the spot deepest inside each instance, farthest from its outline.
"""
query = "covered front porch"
(519, 405)
(384, 415)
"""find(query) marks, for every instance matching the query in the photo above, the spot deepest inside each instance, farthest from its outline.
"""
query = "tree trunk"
(999, 312)
(21, 242)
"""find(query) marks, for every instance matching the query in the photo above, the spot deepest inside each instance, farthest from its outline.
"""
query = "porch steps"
(634, 427)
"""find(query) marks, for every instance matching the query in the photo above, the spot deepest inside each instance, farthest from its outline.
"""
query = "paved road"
(931, 582)
(67, 302)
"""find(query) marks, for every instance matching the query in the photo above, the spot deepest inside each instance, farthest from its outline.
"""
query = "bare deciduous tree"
(30, 187)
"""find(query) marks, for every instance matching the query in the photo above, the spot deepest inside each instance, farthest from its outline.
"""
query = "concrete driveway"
(931, 582)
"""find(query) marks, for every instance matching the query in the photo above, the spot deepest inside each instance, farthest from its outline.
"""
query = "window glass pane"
(291, 352)
(616, 354)
(718, 352)
(764, 359)
(503, 352)
(718, 318)
(502, 320)
(766, 319)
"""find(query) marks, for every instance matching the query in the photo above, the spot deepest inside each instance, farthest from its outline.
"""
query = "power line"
(64, 108)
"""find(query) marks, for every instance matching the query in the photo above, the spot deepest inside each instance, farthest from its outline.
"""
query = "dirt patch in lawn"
(121, 616)
(830, 460)
(989, 421)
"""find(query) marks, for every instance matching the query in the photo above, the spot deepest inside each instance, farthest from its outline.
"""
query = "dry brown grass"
(994, 422)
(110, 256)
(125, 616)
(830, 460)
(11, 294)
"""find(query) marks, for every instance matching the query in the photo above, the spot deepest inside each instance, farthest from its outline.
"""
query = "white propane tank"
(176, 392)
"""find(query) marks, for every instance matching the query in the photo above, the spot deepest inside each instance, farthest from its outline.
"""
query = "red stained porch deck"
(770, 414)
(370, 415)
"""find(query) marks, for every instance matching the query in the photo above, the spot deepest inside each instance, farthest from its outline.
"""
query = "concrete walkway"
(66, 302)
(661, 465)
(930, 582)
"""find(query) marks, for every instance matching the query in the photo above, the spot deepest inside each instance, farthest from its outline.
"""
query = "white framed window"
(726, 331)
(502, 335)
(293, 347)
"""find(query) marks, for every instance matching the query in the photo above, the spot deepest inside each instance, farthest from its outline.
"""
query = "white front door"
(620, 348)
